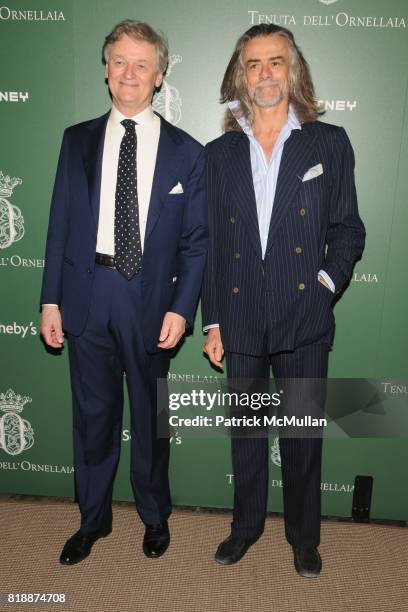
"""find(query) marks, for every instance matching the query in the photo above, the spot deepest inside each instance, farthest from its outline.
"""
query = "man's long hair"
(301, 89)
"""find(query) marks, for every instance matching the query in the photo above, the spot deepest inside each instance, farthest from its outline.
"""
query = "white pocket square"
(313, 173)
(177, 189)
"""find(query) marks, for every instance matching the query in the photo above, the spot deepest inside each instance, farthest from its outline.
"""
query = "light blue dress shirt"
(265, 177)
(265, 173)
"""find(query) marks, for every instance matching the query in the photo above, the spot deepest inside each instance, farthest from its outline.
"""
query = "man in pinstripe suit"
(284, 235)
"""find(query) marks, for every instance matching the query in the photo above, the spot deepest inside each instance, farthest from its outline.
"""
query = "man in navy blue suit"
(284, 235)
(125, 254)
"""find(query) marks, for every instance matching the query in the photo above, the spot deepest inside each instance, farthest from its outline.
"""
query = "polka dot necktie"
(128, 250)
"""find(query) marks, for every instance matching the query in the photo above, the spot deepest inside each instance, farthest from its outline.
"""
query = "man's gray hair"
(301, 89)
(138, 30)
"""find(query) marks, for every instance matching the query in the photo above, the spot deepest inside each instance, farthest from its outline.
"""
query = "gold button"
(235, 290)
(232, 219)
(301, 286)
(302, 212)
(237, 255)
(298, 250)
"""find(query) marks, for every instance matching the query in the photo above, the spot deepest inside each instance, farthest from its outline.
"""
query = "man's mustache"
(266, 83)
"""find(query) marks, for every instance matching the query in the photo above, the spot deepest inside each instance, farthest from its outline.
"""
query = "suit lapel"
(242, 186)
(93, 153)
(295, 156)
(165, 176)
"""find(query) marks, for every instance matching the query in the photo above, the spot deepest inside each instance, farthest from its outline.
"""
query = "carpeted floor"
(365, 567)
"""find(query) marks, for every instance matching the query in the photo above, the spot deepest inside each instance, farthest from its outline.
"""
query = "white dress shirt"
(148, 134)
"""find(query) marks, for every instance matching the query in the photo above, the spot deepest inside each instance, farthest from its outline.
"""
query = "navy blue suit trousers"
(111, 348)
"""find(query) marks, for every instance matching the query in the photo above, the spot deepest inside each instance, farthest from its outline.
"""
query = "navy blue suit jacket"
(314, 225)
(176, 232)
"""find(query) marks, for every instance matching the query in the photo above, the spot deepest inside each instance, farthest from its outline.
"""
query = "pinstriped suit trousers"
(300, 457)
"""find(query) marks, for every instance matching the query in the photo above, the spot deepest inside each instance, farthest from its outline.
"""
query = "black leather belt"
(105, 260)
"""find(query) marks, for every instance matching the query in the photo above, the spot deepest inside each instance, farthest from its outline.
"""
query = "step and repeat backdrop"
(52, 76)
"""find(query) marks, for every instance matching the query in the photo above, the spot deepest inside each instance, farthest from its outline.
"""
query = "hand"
(173, 328)
(213, 347)
(51, 326)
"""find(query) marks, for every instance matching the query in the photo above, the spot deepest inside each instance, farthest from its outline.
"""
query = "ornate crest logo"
(11, 219)
(275, 452)
(168, 101)
(16, 434)
(327, 1)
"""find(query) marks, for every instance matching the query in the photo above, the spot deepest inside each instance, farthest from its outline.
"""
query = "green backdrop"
(51, 76)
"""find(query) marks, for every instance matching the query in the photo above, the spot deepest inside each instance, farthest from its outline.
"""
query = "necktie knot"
(128, 124)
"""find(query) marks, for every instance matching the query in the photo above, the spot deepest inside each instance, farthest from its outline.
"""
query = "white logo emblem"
(13, 96)
(168, 100)
(275, 453)
(337, 105)
(11, 219)
(327, 1)
(16, 434)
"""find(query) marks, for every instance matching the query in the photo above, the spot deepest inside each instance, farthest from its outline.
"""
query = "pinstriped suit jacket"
(314, 225)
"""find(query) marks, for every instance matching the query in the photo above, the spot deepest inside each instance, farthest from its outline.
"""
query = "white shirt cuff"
(207, 327)
(328, 280)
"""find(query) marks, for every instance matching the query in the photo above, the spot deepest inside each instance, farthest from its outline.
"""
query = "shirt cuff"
(328, 280)
(56, 305)
(212, 326)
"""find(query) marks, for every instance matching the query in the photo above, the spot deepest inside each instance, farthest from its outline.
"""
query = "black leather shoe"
(308, 562)
(80, 544)
(232, 550)
(156, 540)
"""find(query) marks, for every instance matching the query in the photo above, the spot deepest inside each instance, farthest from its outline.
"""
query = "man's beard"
(268, 102)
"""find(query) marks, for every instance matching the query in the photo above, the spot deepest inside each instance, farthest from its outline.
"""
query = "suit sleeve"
(209, 306)
(346, 234)
(192, 247)
(57, 231)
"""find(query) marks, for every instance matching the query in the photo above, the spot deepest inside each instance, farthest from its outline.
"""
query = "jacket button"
(235, 290)
(301, 286)
(89, 270)
(302, 211)
(237, 255)
(232, 219)
(298, 250)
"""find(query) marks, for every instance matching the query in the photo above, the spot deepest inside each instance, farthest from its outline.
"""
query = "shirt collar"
(144, 118)
(293, 121)
(234, 106)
